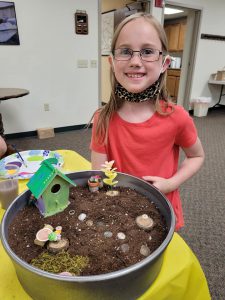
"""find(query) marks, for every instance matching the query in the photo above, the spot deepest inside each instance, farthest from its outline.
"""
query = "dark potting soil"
(106, 252)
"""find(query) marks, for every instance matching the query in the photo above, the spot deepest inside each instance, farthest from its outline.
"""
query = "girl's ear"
(166, 63)
(111, 62)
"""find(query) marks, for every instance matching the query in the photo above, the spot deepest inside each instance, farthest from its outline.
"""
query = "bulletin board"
(107, 32)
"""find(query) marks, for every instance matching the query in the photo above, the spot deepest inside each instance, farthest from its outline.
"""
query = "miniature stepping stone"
(145, 251)
(144, 222)
(82, 217)
(42, 235)
(89, 222)
(100, 224)
(121, 236)
(55, 247)
(112, 193)
(125, 248)
(108, 234)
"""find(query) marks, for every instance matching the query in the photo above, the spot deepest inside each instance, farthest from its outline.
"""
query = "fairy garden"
(86, 230)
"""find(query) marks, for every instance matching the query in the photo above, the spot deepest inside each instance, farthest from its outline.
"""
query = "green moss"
(60, 262)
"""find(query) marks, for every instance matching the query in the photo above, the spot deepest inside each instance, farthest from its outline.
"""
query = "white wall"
(45, 63)
(210, 54)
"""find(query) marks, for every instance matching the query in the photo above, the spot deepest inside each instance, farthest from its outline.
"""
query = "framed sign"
(8, 25)
(107, 32)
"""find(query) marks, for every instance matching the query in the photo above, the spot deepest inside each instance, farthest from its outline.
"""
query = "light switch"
(82, 63)
(93, 63)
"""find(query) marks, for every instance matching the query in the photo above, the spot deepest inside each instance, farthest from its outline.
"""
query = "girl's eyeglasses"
(147, 54)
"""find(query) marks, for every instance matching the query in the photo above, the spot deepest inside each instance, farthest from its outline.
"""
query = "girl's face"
(136, 75)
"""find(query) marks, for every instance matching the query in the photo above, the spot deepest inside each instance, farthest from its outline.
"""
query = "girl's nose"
(136, 59)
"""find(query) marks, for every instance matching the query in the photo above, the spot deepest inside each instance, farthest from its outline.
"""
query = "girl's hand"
(162, 184)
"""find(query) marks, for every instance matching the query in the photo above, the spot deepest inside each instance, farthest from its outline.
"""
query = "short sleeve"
(186, 131)
(95, 145)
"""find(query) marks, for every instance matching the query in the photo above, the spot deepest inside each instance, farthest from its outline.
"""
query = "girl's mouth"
(136, 75)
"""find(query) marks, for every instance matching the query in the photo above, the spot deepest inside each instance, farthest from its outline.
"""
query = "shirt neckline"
(146, 122)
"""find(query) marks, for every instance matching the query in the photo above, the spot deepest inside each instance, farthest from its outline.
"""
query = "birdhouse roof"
(44, 176)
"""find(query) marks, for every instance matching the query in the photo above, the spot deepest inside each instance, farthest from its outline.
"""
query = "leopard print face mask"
(148, 94)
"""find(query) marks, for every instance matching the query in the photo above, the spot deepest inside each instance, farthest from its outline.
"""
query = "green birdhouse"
(51, 188)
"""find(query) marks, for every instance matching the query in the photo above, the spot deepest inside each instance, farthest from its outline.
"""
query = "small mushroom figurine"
(144, 222)
(93, 184)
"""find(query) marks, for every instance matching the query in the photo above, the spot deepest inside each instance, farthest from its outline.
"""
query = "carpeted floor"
(203, 196)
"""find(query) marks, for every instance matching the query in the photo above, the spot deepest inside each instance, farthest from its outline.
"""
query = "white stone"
(121, 236)
(82, 217)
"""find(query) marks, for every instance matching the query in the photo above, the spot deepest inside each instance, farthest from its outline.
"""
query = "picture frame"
(9, 34)
(107, 32)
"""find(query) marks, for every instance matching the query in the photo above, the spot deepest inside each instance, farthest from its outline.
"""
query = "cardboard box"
(220, 75)
(45, 133)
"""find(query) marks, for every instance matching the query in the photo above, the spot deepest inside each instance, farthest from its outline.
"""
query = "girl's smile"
(135, 75)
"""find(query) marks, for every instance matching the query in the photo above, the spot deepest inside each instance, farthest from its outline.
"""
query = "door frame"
(189, 53)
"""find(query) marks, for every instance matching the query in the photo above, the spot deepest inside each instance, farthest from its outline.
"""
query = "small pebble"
(89, 222)
(144, 222)
(121, 236)
(125, 248)
(100, 224)
(108, 234)
(145, 251)
(150, 238)
(82, 217)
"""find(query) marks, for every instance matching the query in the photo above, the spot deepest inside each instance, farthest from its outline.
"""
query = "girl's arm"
(97, 160)
(191, 164)
(3, 147)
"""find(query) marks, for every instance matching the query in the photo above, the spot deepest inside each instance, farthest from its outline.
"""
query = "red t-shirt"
(149, 148)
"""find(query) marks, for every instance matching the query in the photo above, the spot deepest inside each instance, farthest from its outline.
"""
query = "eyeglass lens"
(147, 54)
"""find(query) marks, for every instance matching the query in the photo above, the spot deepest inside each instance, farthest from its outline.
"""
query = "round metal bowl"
(126, 284)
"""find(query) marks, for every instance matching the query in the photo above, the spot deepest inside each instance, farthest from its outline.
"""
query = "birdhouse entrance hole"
(55, 188)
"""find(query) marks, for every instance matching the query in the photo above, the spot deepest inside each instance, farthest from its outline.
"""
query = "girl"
(139, 127)
(3, 146)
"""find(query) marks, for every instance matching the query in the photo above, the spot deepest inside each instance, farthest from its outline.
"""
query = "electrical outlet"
(46, 107)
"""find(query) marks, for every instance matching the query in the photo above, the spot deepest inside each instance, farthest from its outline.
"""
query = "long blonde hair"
(106, 112)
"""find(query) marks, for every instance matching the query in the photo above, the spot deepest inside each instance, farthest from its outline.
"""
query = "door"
(185, 47)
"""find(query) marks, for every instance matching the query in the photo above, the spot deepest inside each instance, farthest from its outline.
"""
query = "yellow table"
(181, 276)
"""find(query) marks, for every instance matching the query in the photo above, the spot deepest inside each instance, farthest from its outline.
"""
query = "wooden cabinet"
(172, 83)
(181, 36)
(175, 34)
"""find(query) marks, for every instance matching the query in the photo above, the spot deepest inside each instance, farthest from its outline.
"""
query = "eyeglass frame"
(140, 54)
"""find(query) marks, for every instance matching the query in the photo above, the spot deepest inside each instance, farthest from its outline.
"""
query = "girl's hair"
(106, 112)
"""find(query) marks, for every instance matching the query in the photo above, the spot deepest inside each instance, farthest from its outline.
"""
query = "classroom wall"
(45, 63)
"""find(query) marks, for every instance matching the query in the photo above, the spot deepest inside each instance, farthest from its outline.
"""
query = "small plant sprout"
(111, 174)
